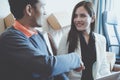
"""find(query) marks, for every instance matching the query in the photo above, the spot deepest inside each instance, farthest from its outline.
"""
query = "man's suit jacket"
(20, 59)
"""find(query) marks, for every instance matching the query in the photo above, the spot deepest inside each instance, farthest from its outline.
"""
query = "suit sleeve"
(20, 51)
(104, 66)
(63, 46)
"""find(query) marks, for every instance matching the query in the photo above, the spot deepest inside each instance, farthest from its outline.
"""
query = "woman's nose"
(78, 18)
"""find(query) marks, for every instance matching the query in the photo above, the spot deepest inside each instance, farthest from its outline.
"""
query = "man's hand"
(82, 67)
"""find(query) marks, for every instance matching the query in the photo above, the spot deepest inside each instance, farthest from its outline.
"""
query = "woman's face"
(82, 19)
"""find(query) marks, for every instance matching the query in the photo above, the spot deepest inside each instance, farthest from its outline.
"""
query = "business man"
(24, 54)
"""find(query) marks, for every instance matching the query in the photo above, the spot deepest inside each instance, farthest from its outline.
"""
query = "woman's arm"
(104, 69)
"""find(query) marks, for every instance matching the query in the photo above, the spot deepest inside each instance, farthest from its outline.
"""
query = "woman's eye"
(82, 15)
(75, 16)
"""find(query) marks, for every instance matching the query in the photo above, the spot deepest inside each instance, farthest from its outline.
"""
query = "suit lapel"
(97, 54)
(45, 35)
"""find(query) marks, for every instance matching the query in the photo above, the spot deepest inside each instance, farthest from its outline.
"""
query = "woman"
(90, 45)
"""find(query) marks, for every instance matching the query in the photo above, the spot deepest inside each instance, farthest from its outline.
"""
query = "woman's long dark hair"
(73, 35)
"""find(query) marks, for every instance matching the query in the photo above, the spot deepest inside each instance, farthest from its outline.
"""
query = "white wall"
(60, 5)
(4, 11)
(51, 6)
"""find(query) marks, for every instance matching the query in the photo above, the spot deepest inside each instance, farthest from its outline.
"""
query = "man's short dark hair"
(17, 6)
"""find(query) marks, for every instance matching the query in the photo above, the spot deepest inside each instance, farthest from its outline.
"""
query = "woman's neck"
(86, 35)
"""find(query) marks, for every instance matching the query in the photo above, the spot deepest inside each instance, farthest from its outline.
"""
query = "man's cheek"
(39, 21)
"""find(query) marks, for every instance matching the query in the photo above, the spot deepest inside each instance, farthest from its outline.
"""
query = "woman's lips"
(79, 24)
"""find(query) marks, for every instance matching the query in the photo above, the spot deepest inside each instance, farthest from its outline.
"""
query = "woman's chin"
(80, 29)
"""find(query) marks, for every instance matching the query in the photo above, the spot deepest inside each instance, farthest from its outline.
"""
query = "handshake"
(82, 67)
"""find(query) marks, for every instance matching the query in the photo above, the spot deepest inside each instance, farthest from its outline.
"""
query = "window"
(114, 7)
(115, 4)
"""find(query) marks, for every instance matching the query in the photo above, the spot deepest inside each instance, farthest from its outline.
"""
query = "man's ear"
(28, 10)
(93, 19)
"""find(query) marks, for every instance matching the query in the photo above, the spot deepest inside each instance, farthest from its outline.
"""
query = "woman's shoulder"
(99, 37)
(65, 36)
(63, 46)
